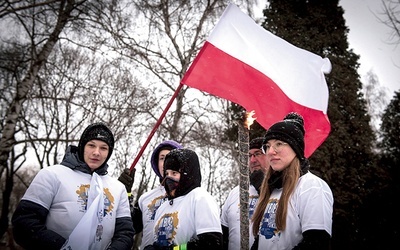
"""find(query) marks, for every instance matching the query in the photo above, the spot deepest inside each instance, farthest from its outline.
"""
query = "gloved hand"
(149, 247)
(156, 247)
(127, 178)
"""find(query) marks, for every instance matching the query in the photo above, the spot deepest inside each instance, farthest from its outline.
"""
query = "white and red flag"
(248, 65)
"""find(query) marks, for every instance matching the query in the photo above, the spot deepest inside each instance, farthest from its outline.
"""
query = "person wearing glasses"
(295, 207)
(230, 216)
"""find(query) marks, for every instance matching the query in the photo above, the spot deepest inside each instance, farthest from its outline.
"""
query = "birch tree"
(39, 47)
(67, 63)
(52, 89)
(162, 38)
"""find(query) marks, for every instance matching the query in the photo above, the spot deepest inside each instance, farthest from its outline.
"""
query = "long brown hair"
(290, 176)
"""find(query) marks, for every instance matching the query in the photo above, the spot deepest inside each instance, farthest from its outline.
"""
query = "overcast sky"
(368, 38)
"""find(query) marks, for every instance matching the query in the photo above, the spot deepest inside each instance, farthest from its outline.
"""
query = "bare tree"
(162, 38)
(391, 18)
(376, 101)
(45, 84)
(69, 63)
(41, 51)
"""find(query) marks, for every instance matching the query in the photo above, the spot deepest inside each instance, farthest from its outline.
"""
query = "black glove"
(156, 247)
(127, 177)
(149, 247)
(209, 240)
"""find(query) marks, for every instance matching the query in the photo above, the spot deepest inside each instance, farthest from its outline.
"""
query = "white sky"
(368, 38)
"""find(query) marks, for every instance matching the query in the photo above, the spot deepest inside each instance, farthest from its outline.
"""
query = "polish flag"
(246, 64)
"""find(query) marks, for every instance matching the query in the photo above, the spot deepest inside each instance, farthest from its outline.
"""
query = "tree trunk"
(7, 140)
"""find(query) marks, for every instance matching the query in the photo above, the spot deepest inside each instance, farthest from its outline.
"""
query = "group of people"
(76, 205)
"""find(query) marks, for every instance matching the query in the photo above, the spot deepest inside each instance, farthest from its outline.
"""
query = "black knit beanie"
(172, 163)
(96, 131)
(256, 143)
(291, 131)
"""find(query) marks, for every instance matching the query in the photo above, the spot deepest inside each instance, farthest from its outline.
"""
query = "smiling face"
(95, 153)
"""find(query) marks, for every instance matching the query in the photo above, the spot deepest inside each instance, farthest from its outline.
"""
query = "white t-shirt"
(64, 193)
(194, 213)
(149, 202)
(311, 207)
(230, 216)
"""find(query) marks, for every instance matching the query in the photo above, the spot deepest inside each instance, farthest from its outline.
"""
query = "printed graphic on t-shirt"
(82, 192)
(153, 206)
(268, 226)
(165, 229)
(252, 204)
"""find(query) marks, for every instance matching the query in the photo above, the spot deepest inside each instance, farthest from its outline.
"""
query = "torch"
(244, 183)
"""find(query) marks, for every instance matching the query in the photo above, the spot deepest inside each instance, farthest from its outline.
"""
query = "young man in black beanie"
(230, 216)
(75, 204)
(295, 207)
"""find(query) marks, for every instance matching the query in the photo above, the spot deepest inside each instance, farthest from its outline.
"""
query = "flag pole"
(243, 136)
(178, 89)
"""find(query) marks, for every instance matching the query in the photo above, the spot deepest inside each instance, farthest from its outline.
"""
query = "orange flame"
(249, 119)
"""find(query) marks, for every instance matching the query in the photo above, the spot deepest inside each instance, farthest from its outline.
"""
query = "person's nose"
(271, 151)
(96, 151)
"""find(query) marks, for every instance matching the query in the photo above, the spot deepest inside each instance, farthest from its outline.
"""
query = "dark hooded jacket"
(29, 218)
(186, 162)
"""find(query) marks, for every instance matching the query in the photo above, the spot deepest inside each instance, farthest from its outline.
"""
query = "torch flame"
(249, 119)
